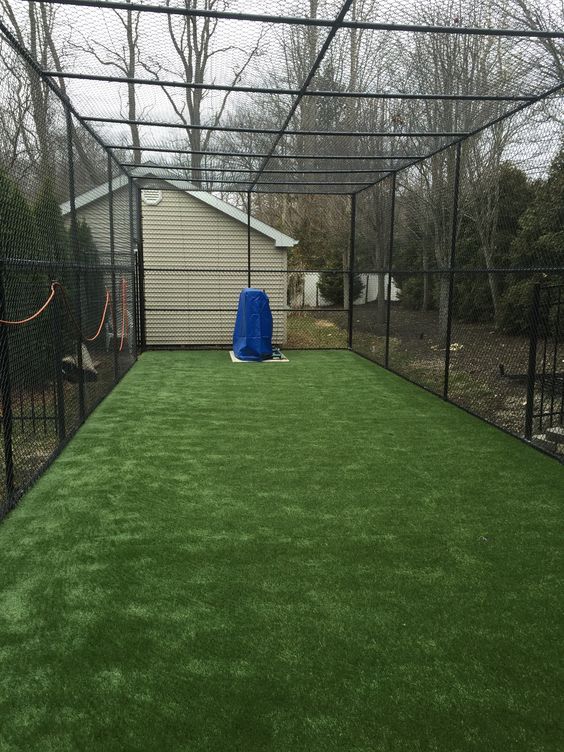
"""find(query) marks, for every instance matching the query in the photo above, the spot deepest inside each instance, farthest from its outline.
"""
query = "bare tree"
(17, 138)
(542, 15)
(348, 66)
(32, 97)
(125, 60)
(31, 31)
(545, 56)
(483, 158)
(196, 44)
(456, 65)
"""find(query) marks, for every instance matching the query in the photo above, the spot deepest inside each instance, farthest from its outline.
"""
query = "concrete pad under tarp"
(235, 359)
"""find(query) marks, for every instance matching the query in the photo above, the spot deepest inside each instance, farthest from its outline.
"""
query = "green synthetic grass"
(308, 556)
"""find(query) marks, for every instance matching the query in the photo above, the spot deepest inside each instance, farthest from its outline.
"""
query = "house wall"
(181, 232)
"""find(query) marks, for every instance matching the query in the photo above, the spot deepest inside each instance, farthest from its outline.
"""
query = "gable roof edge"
(281, 240)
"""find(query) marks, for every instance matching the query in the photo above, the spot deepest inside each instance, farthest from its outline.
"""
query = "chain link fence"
(418, 224)
(463, 242)
(67, 276)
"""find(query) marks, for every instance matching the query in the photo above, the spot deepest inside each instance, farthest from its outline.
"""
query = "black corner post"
(113, 268)
(75, 247)
(57, 342)
(532, 368)
(351, 268)
(249, 239)
(6, 397)
(142, 333)
(132, 248)
(390, 265)
(452, 258)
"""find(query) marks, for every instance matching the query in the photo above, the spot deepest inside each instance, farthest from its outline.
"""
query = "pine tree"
(539, 242)
(55, 247)
(93, 285)
(332, 288)
(26, 286)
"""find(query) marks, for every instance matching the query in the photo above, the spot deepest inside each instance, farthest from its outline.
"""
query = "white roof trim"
(93, 195)
(280, 239)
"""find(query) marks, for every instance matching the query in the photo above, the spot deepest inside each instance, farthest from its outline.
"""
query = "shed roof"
(280, 239)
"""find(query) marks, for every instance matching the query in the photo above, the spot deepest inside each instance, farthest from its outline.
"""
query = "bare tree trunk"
(443, 308)
(124, 58)
(131, 28)
(425, 299)
(40, 98)
(381, 305)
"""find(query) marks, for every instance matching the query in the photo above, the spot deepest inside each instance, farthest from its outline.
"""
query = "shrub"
(331, 287)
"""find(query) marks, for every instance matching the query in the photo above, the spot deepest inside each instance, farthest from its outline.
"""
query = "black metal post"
(249, 239)
(76, 257)
(534, 321)
(6, 397)
(390, 264)
(142, 334)
(132, 242)
(57, 338)
(113, 268)
(553, 383)
(453, 238)
(351, 268)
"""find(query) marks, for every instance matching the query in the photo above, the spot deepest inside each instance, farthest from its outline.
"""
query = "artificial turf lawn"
(306, 556)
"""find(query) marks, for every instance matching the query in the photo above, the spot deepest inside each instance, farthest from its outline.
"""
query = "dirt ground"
(477, 352)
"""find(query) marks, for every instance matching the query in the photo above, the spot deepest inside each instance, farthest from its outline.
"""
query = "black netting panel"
(473, 241)
(56, 268)
(410, 209)
(374, 290)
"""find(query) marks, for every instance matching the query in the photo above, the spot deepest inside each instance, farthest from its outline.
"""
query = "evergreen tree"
(52, 233)
(26, 286)
(539, 242)
(55, 247)
(332, 288)
(93, 285)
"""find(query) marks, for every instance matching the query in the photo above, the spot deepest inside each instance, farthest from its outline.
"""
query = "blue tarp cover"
(252, 338)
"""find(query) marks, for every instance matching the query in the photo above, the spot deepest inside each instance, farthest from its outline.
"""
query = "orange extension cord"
(123, 311)
(75, 322)
(107, 304)
(38, 312)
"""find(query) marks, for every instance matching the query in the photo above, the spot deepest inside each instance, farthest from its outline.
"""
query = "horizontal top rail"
(252, 155)
(280, 183)
(244, 271)
(275, 131)
(284, 91)
(306, 21)
(251, 170)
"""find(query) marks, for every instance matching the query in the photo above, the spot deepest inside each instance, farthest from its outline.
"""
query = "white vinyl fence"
(311, 296)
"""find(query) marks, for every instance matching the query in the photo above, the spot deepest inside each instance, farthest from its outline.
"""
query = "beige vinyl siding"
(182, 232)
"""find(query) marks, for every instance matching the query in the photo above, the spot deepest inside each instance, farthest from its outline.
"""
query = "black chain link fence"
(460, 243)
(66, 276)
(392, 209)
